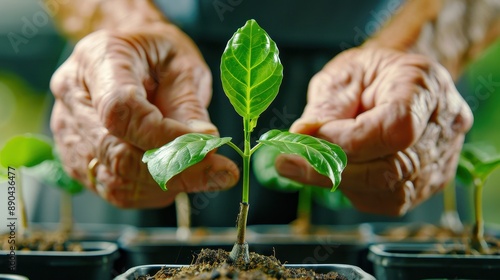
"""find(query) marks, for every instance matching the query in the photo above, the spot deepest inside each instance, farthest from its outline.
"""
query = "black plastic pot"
(423, 260)
(349, 271)
(87, 231)
(12, 277)
(387, 232)
(344, 244)
(141, 246)
(95, 262)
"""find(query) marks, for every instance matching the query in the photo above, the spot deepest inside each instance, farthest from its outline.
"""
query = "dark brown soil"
(40, 241)
(215, 264)
(435, 233)
(425, 232)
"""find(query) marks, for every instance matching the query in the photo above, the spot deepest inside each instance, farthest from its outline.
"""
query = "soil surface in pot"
(40, 241)
(215, 264)
(425, 232)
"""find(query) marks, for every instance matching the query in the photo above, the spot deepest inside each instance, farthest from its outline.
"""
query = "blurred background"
(31, 49)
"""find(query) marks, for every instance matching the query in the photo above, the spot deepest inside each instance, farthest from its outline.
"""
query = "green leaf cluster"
(36, 152)
(267, 175)
(26, 150)
(477, 161)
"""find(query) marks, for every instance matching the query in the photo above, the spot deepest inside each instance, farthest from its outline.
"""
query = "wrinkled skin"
(400, 120)
(120, 94)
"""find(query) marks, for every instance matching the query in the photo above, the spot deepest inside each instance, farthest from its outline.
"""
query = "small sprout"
(251, 74)
(477, 162)
(35, 154)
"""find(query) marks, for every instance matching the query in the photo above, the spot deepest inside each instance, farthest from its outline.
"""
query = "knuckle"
(115, 110)
(117, 155)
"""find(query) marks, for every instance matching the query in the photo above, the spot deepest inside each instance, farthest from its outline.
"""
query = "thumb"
(332, 94)
(215, 172)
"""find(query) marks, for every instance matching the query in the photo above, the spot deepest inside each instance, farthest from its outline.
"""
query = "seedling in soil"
(34, 154)
(251, 74)
(474, 168)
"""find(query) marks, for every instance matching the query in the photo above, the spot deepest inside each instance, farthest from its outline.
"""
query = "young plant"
(19, 152)
(34, 154)
(251, 74)
(475, 166)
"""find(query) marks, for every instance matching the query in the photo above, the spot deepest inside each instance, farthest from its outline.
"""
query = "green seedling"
(251, 74)
(20, 152)
(34, 154)
(267, 175)
(475, 165)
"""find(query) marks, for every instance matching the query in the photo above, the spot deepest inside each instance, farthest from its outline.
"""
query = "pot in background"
(425, 260)
(94, 262)
(342, 244)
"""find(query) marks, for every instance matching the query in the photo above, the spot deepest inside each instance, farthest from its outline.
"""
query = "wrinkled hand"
(120, 94)
(400, 120)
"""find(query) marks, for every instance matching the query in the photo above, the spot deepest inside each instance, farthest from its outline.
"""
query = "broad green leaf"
(26, 150)
(174, 157)
(483, 170)
(266, 173)
(52, 173)
(465, 171)
(326, 158)
(251, 71)
(477, 161)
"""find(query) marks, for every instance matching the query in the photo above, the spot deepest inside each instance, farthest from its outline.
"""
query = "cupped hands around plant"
(251, 74)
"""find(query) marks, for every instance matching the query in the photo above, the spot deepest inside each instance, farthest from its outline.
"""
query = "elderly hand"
(120, 94)
(400, 120)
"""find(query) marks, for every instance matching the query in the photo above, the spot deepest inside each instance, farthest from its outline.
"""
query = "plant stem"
(66, 214)
(23, 229)
(240, 252)
(246, 163)
(304, 204)
(240, 248)
(242, 222)
(183, 213)
(302, 224)
(450, 218)
(478, 243)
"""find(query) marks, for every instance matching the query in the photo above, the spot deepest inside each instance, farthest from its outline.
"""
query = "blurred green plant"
(267, 175)
(482, 93)
(23, 109)
(35, 155)
(477, 162)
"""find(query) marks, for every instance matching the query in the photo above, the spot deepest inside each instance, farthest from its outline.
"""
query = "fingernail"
(306, 125)
(202, 126)
(289, 168)
(221, 180)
